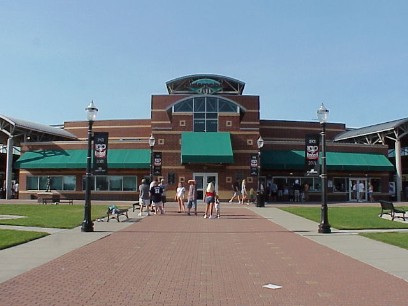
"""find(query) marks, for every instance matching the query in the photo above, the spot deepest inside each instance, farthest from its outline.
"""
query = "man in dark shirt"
(156, 196)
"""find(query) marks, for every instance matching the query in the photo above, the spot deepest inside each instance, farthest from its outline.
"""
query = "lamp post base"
(324, 229)
(87, 226)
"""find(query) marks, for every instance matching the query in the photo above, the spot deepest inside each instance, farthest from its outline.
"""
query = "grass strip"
(52, 216)
(348, 218)
(394, 238)
(10, 238)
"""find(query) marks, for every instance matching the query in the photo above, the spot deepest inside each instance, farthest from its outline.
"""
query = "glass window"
(115, 183)
(212, 115)
(42, 182)
(199, 104)
(339, 184)
(101, 183)
(212, 105)
(69, 182)
(112, 183)
(32, 183)
(56, 183)
(207, 108)
(211, 126)
(129, 183)
(184, 106)
(199, 125)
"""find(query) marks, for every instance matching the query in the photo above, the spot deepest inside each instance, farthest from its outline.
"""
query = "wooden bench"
(57, 201)
(387, 207)
(114, 213)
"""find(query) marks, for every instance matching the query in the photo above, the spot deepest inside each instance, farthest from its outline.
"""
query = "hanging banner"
(157, 163)
(254, 165)
(100, 164)
(312, 154)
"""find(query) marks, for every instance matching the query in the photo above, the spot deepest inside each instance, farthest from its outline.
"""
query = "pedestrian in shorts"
(192, 197)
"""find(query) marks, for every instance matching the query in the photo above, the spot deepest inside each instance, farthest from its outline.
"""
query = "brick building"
(204, 128)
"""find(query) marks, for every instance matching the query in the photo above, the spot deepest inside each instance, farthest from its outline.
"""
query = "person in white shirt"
(180, 192)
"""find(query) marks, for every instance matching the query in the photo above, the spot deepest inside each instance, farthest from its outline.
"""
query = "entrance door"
(358, 189)
(202, 180)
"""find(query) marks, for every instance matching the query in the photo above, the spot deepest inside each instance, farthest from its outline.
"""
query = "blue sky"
(352, 55)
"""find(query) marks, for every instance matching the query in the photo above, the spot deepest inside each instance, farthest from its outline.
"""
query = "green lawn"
(54, 216)
(397, 239)
(9, 238)
(358, 218)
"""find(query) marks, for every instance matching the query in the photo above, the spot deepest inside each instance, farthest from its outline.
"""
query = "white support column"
(9, 166)
(398, 168)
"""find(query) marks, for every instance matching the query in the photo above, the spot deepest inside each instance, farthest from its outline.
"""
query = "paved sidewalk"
(176, 259)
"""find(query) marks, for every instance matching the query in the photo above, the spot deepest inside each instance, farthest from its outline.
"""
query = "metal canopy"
(376, 134)
(392, 133)
(25, 130)
(15, 131)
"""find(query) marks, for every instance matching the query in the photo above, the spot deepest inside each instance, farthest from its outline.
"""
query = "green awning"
(358, 161)
(281, 160)
(206, 148)
(76, 159)
(295, 160)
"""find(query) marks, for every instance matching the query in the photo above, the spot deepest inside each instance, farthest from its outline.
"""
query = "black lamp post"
(324, 226)
(152, 141)
(260, 144)
(87, 224)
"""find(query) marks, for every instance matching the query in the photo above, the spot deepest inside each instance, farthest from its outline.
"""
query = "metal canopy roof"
(205, 84)
(36, 131)
(377, 133)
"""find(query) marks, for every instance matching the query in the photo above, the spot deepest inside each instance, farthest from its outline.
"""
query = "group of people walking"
(152, 198)
(241, 192)
(210, 198)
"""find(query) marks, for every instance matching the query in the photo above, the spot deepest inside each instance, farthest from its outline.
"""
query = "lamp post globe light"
(152, 141)
(87, 224)
(324, 226)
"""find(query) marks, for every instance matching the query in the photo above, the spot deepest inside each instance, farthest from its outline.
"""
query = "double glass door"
(202, 180)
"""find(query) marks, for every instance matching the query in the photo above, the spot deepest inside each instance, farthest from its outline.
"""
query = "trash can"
(260, 200)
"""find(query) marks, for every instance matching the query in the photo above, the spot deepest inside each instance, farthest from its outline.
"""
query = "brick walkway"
(176, 259)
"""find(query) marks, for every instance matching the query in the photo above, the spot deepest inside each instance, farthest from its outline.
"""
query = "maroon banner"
(312, 153)
(254, 165)
(100, 153)
(157, 163)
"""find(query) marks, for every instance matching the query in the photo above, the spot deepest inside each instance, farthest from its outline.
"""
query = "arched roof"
(205, 84)
(21, 128)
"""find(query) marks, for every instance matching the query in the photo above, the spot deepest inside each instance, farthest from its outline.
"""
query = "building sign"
(254, 165)
(312, 154)
(100, 165)
(157, 163)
